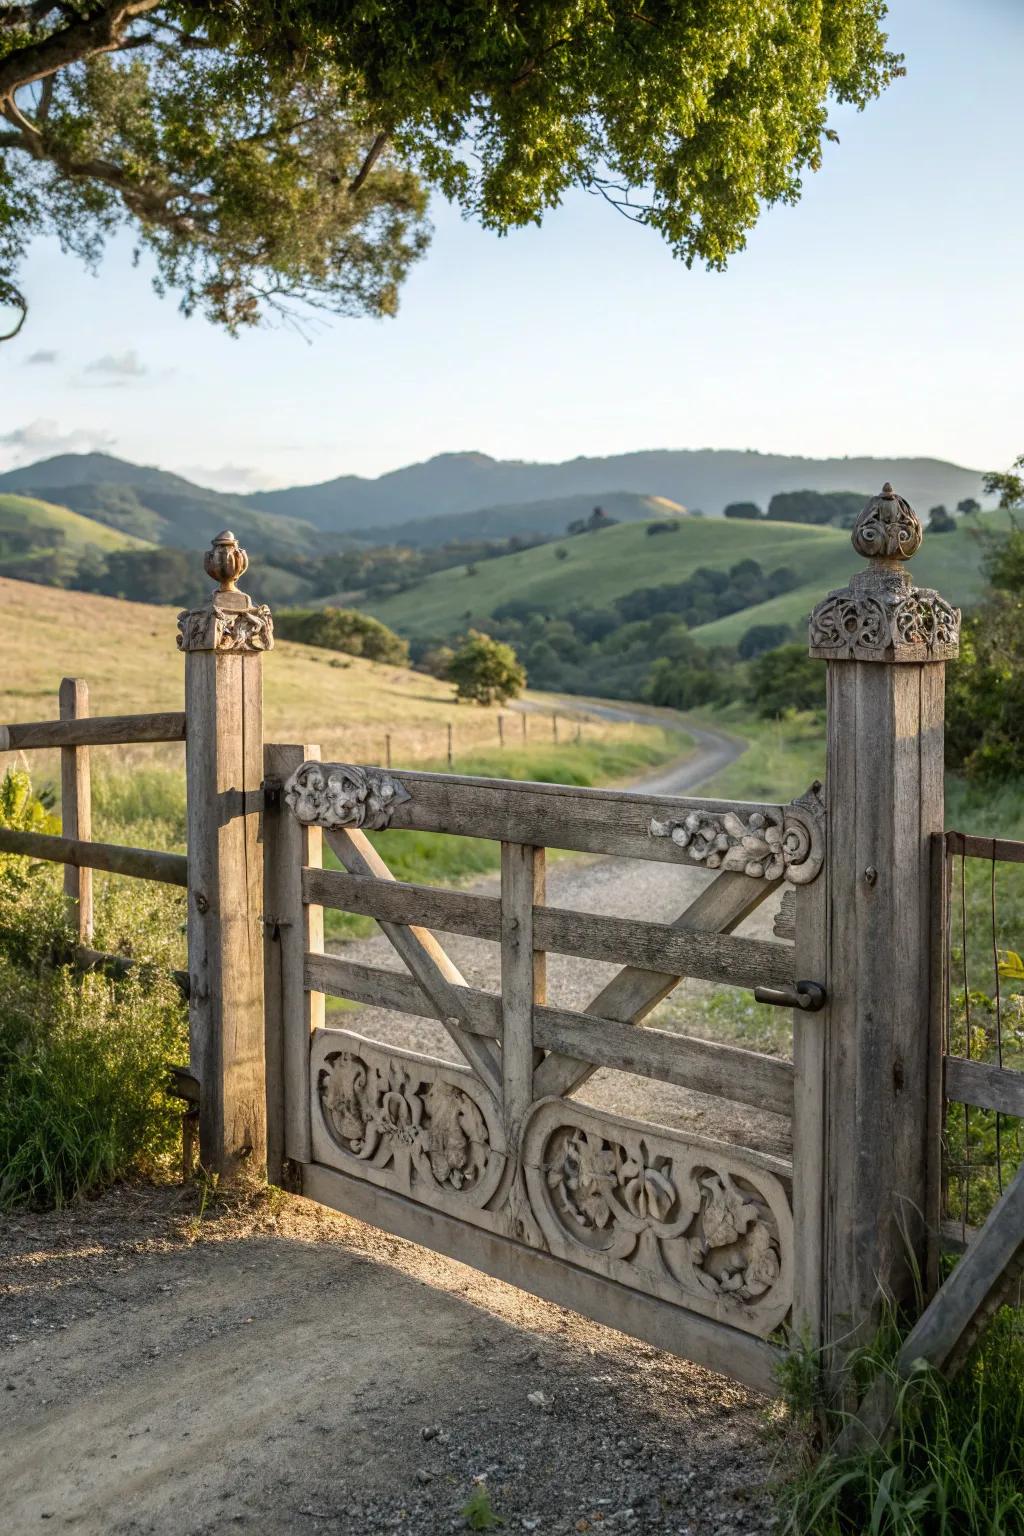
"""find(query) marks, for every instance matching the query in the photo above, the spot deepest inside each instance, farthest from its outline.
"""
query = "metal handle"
(808, 995)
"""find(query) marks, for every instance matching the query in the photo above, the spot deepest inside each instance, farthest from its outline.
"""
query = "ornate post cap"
(881, 615)
(229, 620)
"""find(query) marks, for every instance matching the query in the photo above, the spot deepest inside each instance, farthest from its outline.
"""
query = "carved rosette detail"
(686, 1220)
(769, 843)
(338, 795)
(214, 629)
(423, 1127)
(881, 615)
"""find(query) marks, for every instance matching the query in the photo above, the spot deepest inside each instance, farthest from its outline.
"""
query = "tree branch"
(373, 155)
(81, 38)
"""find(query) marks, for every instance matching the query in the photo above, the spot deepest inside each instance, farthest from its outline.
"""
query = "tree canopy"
(269, 152)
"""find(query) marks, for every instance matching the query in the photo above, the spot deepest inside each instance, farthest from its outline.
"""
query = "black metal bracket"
(807, 995)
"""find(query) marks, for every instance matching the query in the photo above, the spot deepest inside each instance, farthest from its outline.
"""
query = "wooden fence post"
(886, 644)
(293, 928)
(76, 807)
(223, 643)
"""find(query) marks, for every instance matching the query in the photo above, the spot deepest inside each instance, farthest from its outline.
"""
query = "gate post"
(886, 643)
(223, 643)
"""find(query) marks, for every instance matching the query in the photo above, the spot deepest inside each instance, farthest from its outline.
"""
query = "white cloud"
(44, 437)
(118, 365)
(231, 477)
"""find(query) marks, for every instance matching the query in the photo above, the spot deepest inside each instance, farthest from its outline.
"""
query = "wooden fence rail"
(140, 863)
(93, 731)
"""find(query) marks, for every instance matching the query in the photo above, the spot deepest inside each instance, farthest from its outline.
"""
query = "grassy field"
(603, 566)
(127, 654)
(21, 513)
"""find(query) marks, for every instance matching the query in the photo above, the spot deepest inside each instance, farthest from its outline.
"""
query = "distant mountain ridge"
(461, 494)
(705, 478)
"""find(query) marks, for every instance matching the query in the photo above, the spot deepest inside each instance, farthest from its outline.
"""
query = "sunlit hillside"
(597, 568)
(127, 654)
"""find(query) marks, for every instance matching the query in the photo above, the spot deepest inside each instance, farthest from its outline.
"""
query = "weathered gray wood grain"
(76, 808)
(744, 1077)
(140, 863)
(293, 927)
(97, 731)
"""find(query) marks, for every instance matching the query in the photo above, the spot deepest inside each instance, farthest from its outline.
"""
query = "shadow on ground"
(267, 1366)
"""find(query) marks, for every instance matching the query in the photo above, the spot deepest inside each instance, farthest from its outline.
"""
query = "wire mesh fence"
(983, 1016)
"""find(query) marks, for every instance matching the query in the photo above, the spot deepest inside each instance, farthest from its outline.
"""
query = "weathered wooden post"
(76, 808)
(886, 643)
(223, 643)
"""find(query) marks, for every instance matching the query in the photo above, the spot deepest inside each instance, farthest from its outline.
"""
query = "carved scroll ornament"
(338, 795)
(769, 843)
(411, 1123)
(690, 1221)
(881, 615)
(216, 629)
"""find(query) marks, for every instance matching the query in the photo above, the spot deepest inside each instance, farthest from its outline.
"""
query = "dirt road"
(274, 1368)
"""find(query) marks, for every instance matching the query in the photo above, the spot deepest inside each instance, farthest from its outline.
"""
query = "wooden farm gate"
(686, 1241)
(717, 1251)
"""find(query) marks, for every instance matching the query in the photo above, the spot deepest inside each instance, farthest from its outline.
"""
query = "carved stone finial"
(888, 528)
(225, 560)
(881, 616)
(229, 620)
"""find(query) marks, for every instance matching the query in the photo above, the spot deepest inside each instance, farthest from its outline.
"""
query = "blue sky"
(884, 314)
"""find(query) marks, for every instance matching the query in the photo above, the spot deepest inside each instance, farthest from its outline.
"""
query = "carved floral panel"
(691, 1221)
(412, 1123)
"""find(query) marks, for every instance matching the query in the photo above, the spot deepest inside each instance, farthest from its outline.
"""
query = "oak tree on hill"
(486, 671)
(265, 153)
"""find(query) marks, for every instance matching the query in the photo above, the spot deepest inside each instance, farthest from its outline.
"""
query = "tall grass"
(954, 1465)
(83, 1058)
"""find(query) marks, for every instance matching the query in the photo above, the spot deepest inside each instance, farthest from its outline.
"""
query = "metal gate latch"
(808, 995)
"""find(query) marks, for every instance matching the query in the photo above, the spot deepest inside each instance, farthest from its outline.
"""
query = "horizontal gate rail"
(727, 1072)
(984, 1085)
(1003, 849)
(628, 941)
(92, 731)
(140, 863)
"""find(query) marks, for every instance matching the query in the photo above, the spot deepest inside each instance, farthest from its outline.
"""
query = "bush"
(985, 687)
(486, 671)
(745, 509)
(784, 679)
(760, 638)
(342, 629)
(83, 1059)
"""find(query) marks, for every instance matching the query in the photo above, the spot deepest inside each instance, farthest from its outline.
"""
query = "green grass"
(20, 513)
(954, 1467)
(83, 1059)
(604, 566)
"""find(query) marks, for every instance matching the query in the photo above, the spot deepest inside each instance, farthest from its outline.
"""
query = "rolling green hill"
(604, 566)
(28, 515)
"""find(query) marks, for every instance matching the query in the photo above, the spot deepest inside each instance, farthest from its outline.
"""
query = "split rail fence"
(714, 1248)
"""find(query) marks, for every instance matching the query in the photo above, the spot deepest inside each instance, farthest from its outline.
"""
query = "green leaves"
(269, 152)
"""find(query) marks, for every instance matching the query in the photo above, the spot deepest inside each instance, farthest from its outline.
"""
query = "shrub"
(784, 679)
(342, 629)
(486, 671)
(744, 509)
(83, 1059)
